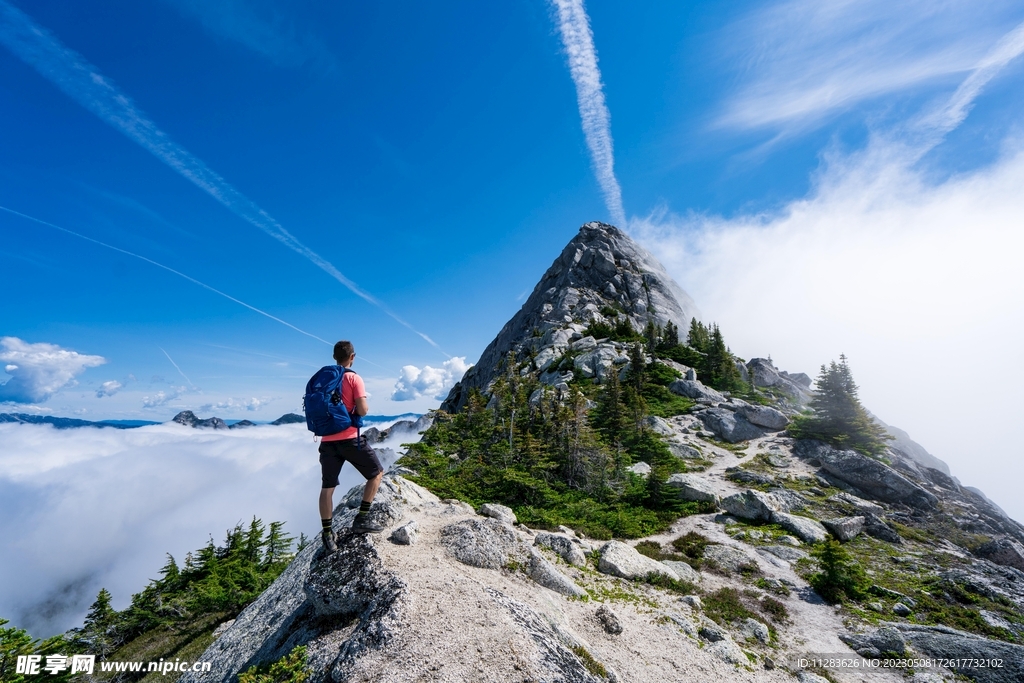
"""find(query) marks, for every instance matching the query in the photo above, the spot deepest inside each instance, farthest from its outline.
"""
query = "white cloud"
(40, 370)
(109, 388)
(162, 398)
(78, 481)
(415, 382)
(234, 404)
(803, 60)
(578, 40)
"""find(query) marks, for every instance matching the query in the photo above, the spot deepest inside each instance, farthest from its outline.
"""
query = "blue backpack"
(326, 413)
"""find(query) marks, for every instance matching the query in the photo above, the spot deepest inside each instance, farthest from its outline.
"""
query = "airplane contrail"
(167, 268)
(176, 367)
(578, 39)
(83, 82)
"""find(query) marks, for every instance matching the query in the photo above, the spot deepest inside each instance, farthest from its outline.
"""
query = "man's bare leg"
(327, 502)
(370, 490)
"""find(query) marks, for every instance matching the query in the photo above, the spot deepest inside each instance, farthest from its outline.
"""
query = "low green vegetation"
(837, 416)
(728, 605)
(292, 668)
(592, 665)
(555, 460)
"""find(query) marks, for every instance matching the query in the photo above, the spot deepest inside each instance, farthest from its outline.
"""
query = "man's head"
(344, 352)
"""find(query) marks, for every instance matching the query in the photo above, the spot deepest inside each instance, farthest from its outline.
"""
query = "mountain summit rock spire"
(602, 275)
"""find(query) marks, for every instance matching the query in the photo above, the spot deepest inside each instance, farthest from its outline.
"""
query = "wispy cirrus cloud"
(167, 268)
(40, 370)
(801, 61)
(83, 82)
(578, 40)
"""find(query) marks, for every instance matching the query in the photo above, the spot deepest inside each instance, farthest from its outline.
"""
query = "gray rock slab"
(547, 575)
(501, 513)
(693, 488)
(791, 499)
(693, 389)
(619, 559)
(875, 478)
(886, 641)
(859, 503)
(805, 528)
(948, 643)
(485, 543)
(729, 426)
(764, 416)
(659, 425)
(728, 652)
(565, 547)
(1004, 551)
(640, 469)
(755, 630)
(753, 505)
(729, 558)
(685, 571)
(844, 528)
(683, 450)
(785, 552)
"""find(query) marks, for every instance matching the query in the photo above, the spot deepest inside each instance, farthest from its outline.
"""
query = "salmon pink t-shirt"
(352, 387)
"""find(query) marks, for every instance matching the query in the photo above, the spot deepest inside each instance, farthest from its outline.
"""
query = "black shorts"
(333, 454)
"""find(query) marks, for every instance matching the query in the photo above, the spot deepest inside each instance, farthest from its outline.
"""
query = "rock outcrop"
(878, 480)
(600, 268)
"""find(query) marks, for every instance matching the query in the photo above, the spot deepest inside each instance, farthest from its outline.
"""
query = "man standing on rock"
(348, 446)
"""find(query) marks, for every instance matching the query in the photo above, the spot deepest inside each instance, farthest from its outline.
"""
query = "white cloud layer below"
(414, 382)
(39, 370)
(82, 509)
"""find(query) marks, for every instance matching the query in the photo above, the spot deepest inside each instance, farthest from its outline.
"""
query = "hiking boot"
(329, 543)
(362, 524)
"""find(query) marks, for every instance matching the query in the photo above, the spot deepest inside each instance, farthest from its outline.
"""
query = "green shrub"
(593, 666)
(650, 549)
(691, 544)
(292, 668)
(726, 606)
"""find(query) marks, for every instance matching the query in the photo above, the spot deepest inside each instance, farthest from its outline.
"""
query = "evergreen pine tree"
(278, 546)
(839, 418)
(698, 336)
(671, 335)
(97, 631)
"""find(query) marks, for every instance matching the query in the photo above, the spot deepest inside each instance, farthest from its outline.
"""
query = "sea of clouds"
(84, 509)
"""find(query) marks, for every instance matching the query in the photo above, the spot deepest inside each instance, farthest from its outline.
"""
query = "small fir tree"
(838, 418)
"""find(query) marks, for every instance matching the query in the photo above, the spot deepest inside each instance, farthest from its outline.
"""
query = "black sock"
(364, 507)
(326, 523)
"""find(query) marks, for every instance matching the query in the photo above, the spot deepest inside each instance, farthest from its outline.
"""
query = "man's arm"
(362, 407)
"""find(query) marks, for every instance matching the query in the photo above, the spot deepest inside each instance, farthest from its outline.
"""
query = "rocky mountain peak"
(602, 275)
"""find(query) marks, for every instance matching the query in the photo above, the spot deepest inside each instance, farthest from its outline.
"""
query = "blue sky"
(821, 179)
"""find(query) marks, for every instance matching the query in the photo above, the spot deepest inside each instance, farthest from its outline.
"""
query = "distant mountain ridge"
(71, 422)
(185, 417)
